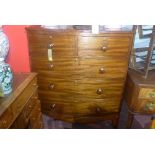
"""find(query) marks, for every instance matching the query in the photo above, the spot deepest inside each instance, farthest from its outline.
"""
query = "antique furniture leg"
(152, 122)
(130, 120)
(115, 121)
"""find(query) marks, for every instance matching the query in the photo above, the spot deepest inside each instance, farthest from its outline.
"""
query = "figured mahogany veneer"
(85, 79)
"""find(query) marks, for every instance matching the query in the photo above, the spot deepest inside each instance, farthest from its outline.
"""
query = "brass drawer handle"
(149, 106)
(152, 94)
(104, 48)
(101, 70)
(51, 86)
(99, 91)
(30, 106)
(52, 106)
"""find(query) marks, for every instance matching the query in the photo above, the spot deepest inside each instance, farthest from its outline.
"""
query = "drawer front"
(89, 87)
(147, 93)
(44, 40)
(36, 115)
(105, 68)
(146, 106)
(6, 119)
(82, 107)
(81, 68)
(20, 102)
(103, 43)
(30, 105)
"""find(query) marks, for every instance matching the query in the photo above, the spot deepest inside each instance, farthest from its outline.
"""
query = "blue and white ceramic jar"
(6, 75)
(6, 78)
(4, 44)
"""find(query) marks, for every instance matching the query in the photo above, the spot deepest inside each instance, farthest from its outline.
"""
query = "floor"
(140, 122)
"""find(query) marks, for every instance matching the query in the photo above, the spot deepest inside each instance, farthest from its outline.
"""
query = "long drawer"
(82, 107)
(81, 68)
(79, 88)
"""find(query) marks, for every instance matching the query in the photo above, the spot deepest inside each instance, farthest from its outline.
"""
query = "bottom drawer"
(81, 107)
(146, 106)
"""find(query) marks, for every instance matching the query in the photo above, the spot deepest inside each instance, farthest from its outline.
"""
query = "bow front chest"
(81, 75)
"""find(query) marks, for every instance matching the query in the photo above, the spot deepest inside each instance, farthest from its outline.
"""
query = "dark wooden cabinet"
(21, 109)
(140, 95)
(81, 75)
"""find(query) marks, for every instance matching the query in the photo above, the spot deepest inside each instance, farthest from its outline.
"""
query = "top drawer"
(57, 41)
(103, 43)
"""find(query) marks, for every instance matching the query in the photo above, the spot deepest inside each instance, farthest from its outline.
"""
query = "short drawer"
(103, 43)
(18, 105)
(6, 119)
(57, 40)
(147, 93)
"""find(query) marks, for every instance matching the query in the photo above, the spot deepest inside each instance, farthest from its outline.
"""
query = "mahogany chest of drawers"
(81, 75)
(21, 108)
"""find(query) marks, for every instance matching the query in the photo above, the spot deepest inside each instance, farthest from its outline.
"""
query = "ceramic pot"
(4, 44)
(6, 78)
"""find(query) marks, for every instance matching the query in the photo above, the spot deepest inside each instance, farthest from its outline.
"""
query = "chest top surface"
(81, 30)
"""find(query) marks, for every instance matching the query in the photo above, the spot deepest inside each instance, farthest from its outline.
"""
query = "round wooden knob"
(51, 86)
(51, 66)
(4, 122)
(53, 106)
(99, 91)
(98, 109)
(101, 70)
(104, 48)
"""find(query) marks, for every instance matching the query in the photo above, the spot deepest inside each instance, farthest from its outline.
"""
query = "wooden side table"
(21, 108)
(140, 96)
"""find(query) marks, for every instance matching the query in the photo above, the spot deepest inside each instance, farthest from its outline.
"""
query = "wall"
(18, 56)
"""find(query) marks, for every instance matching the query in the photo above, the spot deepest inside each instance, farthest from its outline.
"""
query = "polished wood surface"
(140, 94)
(85, 76)
(16, 108)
